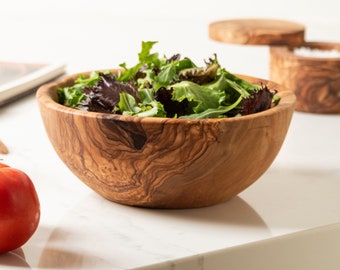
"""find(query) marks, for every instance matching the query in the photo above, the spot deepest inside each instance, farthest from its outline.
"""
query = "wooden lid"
(257, 32)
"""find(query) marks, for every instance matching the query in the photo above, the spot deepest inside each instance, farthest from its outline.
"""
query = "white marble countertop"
(81, 230)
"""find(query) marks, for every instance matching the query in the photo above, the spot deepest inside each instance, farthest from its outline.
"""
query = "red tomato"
(19, 208)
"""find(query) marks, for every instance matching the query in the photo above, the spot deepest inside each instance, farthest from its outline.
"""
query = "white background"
(104, 33)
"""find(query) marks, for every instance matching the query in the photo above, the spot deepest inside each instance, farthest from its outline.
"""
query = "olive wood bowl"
(165, 162)
(315, 80)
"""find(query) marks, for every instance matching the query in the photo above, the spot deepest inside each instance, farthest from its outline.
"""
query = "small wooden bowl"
(315, 80)
(163, 162)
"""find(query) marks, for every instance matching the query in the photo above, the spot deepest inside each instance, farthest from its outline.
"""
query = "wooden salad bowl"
(165, 162)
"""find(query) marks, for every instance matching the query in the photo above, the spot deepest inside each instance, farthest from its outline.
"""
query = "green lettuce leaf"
(215, 112)
(200, 97)
(145, 57)
(148, 107)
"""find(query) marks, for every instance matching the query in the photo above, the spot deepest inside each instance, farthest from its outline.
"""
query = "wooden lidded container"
(315, 79)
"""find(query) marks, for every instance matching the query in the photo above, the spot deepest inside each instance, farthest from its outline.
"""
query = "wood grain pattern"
(316, 81)
(257, 32)
(162, 162)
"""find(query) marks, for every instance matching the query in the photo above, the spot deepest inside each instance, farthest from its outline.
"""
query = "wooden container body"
(162, 162)
(316, 81)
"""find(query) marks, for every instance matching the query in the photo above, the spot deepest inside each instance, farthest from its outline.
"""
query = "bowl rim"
(45, 93)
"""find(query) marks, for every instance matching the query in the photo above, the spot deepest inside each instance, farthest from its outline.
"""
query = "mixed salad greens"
(168, 87)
